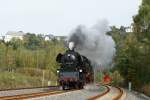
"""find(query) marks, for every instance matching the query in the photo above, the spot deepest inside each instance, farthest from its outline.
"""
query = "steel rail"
(100, 95)
(118, 97)
(33, 95)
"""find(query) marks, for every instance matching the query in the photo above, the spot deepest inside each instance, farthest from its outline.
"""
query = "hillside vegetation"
(133, 50)
(29, 62)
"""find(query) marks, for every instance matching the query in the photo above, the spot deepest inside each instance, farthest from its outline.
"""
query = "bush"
(146, 89)
(117, 79)
(9, 80)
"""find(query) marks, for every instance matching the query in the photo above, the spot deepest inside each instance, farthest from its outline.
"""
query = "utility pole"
(43, 79)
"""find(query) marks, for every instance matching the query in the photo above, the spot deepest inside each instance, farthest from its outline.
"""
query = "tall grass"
(24, 78)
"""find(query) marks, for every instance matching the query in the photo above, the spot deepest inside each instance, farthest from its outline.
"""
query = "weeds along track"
(29, 88)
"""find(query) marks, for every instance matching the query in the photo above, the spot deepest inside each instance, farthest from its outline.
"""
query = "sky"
(59, 17)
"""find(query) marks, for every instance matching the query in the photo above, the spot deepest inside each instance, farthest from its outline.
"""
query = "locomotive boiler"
(75, 70)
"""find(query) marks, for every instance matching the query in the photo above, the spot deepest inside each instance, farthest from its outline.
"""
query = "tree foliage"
(31, 52)
(133, 49)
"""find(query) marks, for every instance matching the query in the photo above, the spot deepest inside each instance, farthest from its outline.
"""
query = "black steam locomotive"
(75, 70)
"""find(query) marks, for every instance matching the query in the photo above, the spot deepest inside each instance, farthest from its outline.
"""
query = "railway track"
(22, 93)
(107, 93)
(118, 97)
(33, 95)
(100, 95)
(110, 93)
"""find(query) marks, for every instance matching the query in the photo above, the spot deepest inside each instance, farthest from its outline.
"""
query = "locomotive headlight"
(80, 70)
(57, 71)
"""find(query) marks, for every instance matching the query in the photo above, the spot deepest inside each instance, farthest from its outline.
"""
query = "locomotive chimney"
(71, 45)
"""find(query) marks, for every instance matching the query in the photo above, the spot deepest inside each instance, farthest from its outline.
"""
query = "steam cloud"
(94, 43)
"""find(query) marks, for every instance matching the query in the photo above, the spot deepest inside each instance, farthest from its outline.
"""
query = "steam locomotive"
(75, 70)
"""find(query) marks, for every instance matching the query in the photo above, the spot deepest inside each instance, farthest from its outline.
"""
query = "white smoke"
(94, 43)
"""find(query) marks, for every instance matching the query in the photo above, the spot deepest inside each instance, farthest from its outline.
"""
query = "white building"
(2, 37)
(19, 35)
(61, 38)
(48, 37)
(129, 29)
(12, 34)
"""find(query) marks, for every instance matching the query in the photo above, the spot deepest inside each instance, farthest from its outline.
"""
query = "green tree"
(31, 41)
(133, 50)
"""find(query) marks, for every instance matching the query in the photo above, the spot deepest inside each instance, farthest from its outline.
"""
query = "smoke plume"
(94, 43)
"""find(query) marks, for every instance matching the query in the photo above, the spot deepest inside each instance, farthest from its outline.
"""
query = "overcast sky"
(59, 17)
